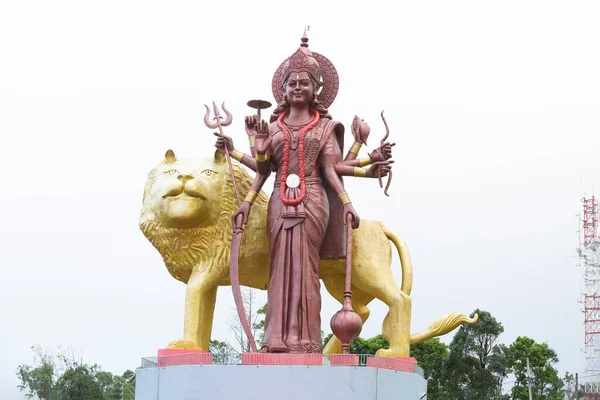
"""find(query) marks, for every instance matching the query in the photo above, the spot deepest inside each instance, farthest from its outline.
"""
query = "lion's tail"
(443, 325)
(405, 263)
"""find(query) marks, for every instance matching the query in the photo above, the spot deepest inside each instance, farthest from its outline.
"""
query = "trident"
(236, 240)
(220, 124)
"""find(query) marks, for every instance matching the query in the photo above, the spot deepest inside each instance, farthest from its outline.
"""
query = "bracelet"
(344, 198)
(251, 196)
(355, 148)
(365, 161)
(251, 140)
(360, 172)
(237, 155)
(261, 157)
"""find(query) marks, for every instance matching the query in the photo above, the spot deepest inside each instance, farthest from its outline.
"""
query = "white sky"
(494, 106)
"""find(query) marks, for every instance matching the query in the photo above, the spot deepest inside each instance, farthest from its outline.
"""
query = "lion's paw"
(334, 346)
(390, 353)
(182, 344)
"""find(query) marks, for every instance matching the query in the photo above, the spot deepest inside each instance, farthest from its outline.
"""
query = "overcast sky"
(493, 106)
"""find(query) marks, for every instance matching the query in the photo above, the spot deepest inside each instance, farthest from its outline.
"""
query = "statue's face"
(299, 89)
(187, 193)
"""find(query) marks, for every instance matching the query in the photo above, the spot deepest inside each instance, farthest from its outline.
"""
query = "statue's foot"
(182, 344)
(391, 353)
(265, 349)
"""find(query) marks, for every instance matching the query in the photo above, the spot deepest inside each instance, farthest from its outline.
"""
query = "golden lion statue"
(186, 214)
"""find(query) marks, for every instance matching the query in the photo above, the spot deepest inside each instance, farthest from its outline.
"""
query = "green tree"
(129, 376)
(368, 346)
(221, 351)
(39, 380)
(363, 346)
(63, 377)
(569, 388)
(120, 389)
(255, 319)
(545, 382)
(258, 325)
(79, 382)
(430, 355)
(476, 364)
(105, 379)
(326, 339)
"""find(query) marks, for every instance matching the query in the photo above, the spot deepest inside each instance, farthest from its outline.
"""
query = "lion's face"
(186, 193)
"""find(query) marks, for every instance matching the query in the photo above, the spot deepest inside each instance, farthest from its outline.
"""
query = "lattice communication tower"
(589, 258)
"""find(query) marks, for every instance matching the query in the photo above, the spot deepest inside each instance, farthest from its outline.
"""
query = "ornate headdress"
(316, 65)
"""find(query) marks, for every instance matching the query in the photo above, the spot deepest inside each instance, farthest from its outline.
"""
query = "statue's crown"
(302, 61)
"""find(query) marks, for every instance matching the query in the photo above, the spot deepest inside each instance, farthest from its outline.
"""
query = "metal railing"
(357, 360)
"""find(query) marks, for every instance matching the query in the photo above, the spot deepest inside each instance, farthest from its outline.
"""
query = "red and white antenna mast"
(589, 257)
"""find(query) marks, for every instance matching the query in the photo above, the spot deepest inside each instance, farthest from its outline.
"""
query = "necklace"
(296, 124)
(286, 158)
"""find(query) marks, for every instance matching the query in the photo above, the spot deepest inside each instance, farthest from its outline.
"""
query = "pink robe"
(296, 234)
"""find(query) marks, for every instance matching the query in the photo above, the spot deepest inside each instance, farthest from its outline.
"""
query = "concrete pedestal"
(265, 382)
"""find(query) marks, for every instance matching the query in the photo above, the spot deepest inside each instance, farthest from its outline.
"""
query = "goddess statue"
(308, 208)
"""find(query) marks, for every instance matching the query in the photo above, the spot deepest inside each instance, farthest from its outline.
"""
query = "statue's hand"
(243, 211)
(384, 166)
(349, 209)
(251, 125)
(263, 139)
(382, 153)
(222, 141)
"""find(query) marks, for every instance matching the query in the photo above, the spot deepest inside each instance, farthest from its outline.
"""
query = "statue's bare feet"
(182, 344)
(265, 349)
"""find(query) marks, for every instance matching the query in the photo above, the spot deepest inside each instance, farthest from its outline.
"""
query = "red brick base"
(168, 357)
(343, 359)
(281, 359)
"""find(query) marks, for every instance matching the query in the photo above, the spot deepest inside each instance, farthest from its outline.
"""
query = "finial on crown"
(302, 60)
(304, 37)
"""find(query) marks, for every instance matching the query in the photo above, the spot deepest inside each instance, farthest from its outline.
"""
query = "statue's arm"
(334, 181)
(224, 140)
(264, 138)
(329, 157)
(250, 124)
(382, 153)
(251, 141)
(259, 181)
(342, 169)
(356, 162)
(241, 215)
(245, 159)
(353, 151)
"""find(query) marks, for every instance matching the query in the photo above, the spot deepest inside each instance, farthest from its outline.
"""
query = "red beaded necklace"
(286, 157)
